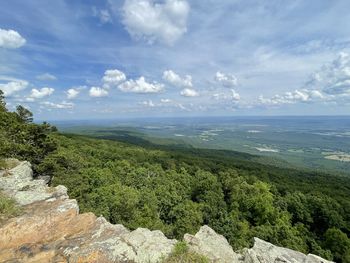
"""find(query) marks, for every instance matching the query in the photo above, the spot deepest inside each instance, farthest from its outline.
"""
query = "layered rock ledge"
(50, 229)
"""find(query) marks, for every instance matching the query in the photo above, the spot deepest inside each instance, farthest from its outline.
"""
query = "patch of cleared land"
(209, 133)
(339, 157)
(330, 152)
(260, 149)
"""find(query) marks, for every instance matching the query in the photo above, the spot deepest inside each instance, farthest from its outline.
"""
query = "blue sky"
(140, 58)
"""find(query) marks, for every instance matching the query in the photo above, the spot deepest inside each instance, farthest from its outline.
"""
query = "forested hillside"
(179, 190)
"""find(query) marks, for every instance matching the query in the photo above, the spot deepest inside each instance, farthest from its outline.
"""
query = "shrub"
(181, 254)
(8, 208)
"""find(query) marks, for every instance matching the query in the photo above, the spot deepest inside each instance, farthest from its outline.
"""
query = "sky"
(103, 59)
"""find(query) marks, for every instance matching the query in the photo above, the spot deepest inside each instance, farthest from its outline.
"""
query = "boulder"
(18, 183)
(115, 243)
(212, 245)
(149, 245)
(265, 252)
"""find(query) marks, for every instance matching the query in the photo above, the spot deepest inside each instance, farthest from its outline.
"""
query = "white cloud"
(148, 103)
(112, 78)
(72, 93)
(333, 78)
(165, 100)
(296, 96)
(189, 93)
(330, 84)
(103, 14)
(235, 95)
(154, 21)
(39, 94)
(11, 39)
(62, 105)
(28, 99)
(174, 79)
(275, 100)
(97, 92)
(227, 80)
(224, 96)
(315, 94)
(46, 76)
(181, 106)
(13, 86)
(185, 83)
(141, 86)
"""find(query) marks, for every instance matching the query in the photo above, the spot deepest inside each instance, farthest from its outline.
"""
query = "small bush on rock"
(181, 254)
(8, 208)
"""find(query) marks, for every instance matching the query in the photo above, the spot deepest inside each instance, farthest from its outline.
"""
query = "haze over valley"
(175, 131)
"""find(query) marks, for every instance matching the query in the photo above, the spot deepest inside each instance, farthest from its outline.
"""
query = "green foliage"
(181, 254)
(8, 208)
(2, 101)
(177, 190)
(339, 244)
(187, 218)
(19, 138)
(3, 164)
(161, 189)
(24, 114)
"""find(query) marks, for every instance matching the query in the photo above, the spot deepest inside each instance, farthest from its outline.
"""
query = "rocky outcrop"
(264, 252)
(50, 229)
(216, 248)
(208, 243)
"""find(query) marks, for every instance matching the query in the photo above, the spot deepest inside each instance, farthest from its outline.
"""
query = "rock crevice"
(50, 229)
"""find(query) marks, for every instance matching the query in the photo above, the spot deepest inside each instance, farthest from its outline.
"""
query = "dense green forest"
(177, 190)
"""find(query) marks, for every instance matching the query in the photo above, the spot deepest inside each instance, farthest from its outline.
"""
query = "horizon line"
(194, 117)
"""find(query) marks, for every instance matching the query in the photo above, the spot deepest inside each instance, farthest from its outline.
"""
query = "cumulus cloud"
(235, 95)
(97, 92)
(181, 107)
(224, 96)
(296, 96)
(148, 103)
(11, 39)
(182, 82)
(189, 93)
(154, 21)
(141, 86)
(174, 79)
(315, 94)
(329, 84)
(227, 80)
(333, 78)
(39, 94)
(102, 14)
(112, 78)
(72, 93)
(46, 76)
(165, 100)
(62, 105)
(13, 86)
